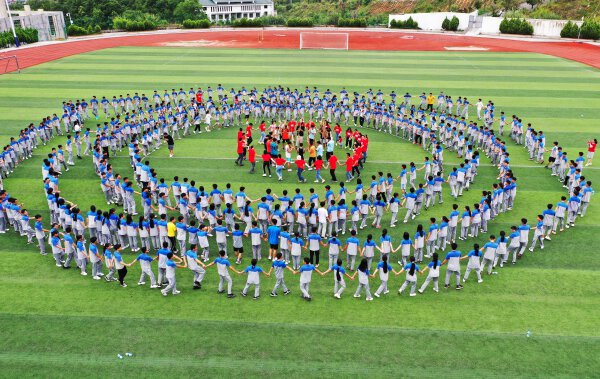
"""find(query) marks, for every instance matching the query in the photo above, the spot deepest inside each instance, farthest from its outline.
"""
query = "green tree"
(188, 10)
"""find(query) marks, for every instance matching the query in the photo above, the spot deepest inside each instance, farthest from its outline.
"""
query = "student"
(253, 272)
(146, 268)
(538, 234)
(109, 262)
(273, 233)
(351, 248)
(489, 255)
(305, 278)
(334, 248)
(474, 263)
(162, 264)
(411, 277)
(339, 285)
(314, 244)
(40, 234)
(419, 243)
(296, 250)
(120, 265)
(363, 279)
(383, 268)
(256, 237)
(501, 251)
(238, 244)
(95, 259)
(195, 265)
(368, 250)
(57, 249)
(453, 259)
(170, 274)
(279, 265)
(404, 246)
(222, 265)
(434, 274)
(81, 254)
(513, 246)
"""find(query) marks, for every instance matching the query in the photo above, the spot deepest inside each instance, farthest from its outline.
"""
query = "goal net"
(9, 64)
(333, 41)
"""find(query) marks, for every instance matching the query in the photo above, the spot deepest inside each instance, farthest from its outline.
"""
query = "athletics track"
(283, 38)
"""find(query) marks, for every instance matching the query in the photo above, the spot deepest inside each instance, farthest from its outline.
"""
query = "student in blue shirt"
(363, 280)
(412, 269)
(339, 284)
(384, 269)
(223, 266)
(305, 278)
(453, 260)
(253, 271)
(279, 266)
(171, 267)
(273, 232)
(145, 261)
(195, 265)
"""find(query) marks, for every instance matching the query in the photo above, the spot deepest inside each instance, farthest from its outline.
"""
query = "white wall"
(433, 21)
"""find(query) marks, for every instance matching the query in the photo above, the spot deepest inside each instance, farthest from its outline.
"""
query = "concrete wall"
(485, 25)
(39, 21)
(433, 21)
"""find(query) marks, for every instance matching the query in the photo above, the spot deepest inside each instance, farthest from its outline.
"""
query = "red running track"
(289, 39)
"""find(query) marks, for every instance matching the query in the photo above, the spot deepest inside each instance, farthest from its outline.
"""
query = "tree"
(188, 10)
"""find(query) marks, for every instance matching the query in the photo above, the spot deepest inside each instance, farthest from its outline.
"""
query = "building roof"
(206, 3)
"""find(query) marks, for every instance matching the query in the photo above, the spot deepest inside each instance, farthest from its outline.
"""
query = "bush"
(590, 30)
(247, 23)
(352, 22)
(408, 24)
(570, 30)
(299, 22)
(516, 26)
(446, 24)
(74, 30)
(544, 14)
(196, 24)
(25, 36)
(451, 25)
(273, 20)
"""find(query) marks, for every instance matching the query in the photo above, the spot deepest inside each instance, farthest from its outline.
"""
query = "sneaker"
(96, 277)
(176, 292)
(141, 283)
(413, 294)
(459, 287)
(243, 294)
(446, 286)
(480, 281)
(287, 292)
(337, 296)
(369, 299)
(273, 294)
(154, 286)
(84, 273)
(436, 291)
(231, 295)
(548, 238)
(531, 249)
(124, 285)
(357, 296)
(255, 297)
(376, 294)
(420, 291)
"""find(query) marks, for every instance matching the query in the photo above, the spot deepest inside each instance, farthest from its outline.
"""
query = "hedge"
(196, 24)
(247, 23)
(132, 25)
(408, 24)
(570, 30)
(74, 30)
(451, 25)
(25, 36)
(516, 26)
(590, 30)
(299, 22)
(352, 22)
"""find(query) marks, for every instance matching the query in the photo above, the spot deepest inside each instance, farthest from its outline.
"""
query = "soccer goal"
(329, 41)
(9, 64)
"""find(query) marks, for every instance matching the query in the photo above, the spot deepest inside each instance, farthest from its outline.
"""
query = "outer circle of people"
(295, 226)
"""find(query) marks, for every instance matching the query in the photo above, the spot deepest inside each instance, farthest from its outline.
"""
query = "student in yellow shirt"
(172, 232)
(430, 100)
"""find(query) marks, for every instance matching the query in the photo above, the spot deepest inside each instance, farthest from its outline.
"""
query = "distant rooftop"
(233, 2)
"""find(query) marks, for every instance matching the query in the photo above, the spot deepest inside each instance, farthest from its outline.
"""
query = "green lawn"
(59, 324)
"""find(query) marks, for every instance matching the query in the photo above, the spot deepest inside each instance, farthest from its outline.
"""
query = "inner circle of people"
(295, 226)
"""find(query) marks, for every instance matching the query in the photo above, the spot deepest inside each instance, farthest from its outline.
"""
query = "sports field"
(56, 323)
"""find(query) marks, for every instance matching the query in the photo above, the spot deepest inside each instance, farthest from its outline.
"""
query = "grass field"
(58, 324)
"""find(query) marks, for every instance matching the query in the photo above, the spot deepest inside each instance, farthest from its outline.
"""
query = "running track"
(289, 39)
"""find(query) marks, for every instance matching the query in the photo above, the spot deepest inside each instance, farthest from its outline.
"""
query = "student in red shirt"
(332, 164)
(279, 165)
(262, 127)
(252, 158)
(349, 138)
(249, 133)
(591, 150)
(337, 129)
(300, 164)
(241, 149)
(349, 167)
(266, 157)
(318, 165)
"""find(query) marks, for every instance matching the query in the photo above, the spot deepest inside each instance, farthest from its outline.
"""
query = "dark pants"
(314, 257)
(173, 243)
(267, 167)
(332, 173)
(240, 159)
(430, 107)
(122, 272)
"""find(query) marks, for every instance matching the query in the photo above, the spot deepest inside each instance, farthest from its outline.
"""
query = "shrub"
(74, 30)
(454, 23)
(273, 20)
(570, 30)
(196, 24)
(247, 23)
(26, 35)
(446, 24)
(590, 30)
(299, 22)
(352, 22)
(516, 26)
(408, 24)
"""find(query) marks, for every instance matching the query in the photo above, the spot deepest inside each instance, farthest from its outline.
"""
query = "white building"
(50, 25)
(227, 10)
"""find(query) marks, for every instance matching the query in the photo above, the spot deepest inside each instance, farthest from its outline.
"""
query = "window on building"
(266, 6)
(17, 23)
(52, 26)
